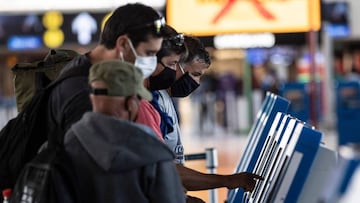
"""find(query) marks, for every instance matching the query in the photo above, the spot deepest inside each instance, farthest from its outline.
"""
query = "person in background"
(354, 73)
(187, 80)
(133, 33)
(115, 159)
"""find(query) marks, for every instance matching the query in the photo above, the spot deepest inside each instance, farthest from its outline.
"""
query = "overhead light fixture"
(244, 41)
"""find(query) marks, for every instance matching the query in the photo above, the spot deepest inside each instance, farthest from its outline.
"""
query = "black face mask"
(163, 80)
(183, 86)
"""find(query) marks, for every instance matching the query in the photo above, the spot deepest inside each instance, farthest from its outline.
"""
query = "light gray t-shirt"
(172, 139)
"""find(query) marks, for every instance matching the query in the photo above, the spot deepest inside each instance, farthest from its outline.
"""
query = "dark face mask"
(163, 80)
(183, 86)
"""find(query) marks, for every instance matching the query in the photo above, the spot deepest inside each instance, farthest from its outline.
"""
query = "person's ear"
(122, 43)
(132, 106)
(132, 103)
(91, 98)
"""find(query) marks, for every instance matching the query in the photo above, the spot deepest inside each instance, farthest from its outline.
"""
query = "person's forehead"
(172, 57)
(152, 44)
(199, 65)
(198, 59)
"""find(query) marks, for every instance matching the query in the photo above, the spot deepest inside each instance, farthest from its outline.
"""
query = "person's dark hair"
(195, 48)
(173, 43)
(136, 20)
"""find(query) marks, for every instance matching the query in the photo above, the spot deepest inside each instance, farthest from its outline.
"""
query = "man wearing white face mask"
(133, 33)
(147, 64)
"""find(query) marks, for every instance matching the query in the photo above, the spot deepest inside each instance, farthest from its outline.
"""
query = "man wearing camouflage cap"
(115, 159)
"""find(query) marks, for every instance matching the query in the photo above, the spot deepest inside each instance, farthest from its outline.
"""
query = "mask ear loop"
(181, 68)
(132, 48)
(121, 56)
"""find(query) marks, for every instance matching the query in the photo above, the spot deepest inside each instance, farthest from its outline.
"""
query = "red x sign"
(212, 17)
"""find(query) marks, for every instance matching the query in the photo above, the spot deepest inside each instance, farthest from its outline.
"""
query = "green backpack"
(30, 77)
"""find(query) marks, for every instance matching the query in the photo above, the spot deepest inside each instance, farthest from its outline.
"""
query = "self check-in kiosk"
(287, 153)
(258, 134)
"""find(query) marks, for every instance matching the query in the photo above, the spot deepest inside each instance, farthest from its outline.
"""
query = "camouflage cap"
(121, 79)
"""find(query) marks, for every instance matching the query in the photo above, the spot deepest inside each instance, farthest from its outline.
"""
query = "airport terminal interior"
(279, 100)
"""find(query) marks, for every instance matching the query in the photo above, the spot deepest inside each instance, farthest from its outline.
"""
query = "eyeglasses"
(178, 40)
(158, 24)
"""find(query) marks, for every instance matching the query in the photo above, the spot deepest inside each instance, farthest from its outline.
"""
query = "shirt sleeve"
(148, 116)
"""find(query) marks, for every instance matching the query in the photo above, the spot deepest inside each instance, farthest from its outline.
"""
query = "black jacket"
(69, 100)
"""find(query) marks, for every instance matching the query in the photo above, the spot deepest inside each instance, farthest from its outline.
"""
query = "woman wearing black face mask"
(165, 78)
(168, 57)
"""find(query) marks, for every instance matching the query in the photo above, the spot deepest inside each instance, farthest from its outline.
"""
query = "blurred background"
(307, 51)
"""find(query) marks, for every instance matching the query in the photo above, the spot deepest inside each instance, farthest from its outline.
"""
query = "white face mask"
(147, 64)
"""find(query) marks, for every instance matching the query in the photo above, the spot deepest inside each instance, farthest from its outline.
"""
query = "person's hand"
(191, 199)
(245, 180)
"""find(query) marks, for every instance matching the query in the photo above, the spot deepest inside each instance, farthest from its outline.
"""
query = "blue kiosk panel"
(348, 112)
(257, 137)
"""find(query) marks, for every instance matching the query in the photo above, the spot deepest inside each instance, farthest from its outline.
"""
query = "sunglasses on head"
(158, 24)
(178, 40)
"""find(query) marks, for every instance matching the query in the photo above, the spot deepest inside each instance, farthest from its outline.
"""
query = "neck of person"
(101, 53)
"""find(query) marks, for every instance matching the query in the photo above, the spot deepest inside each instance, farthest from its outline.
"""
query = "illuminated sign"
(245, 41)
(335, 17)
(53, 35)
(51, 29)
(24, 42)
(84, 25)
(212, 17)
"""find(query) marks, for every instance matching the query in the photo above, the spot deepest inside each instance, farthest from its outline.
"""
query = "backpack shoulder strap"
(82, 70)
